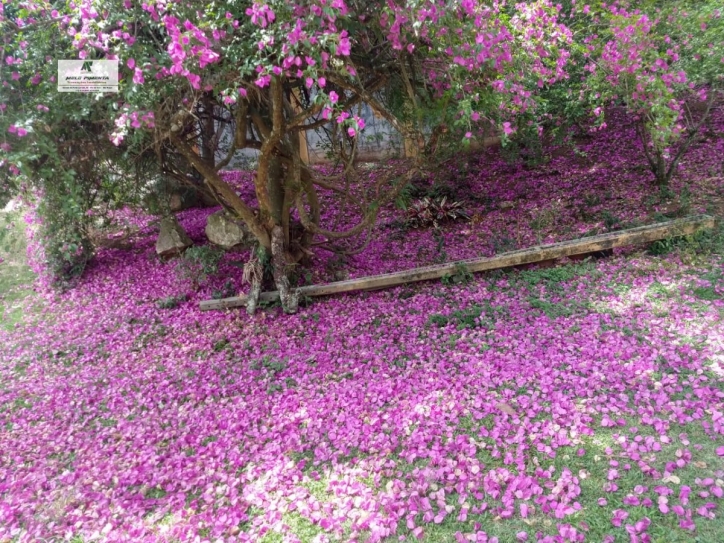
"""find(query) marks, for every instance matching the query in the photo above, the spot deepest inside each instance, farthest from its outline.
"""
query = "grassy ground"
(594, 519)
(15, 287)
(16, 277)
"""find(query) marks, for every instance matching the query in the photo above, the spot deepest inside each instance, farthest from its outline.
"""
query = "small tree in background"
(657, 61)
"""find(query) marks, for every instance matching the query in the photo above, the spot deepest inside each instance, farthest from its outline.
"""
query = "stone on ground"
(224, 231)
(172, 238)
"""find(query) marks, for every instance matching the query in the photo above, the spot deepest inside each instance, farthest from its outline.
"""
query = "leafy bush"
(58, 243)
(427, 211)
(663, 247)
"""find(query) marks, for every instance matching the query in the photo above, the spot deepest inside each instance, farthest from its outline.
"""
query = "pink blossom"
(263, 81)
(619, 515)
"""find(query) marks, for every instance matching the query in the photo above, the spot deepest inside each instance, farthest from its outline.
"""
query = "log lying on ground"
(592, 244)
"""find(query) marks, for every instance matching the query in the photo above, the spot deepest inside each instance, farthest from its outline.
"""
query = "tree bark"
(287, 294)
(275, 188)
(254, 275)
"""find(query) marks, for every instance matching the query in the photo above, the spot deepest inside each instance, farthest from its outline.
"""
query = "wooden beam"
(592, 244)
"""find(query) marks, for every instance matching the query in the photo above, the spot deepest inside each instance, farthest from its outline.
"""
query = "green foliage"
(74, 175)
(553, 276)
(199, 263)
(703, 242)
(270, 368)
(220, 345)
(441, 254)
(66, 161)
(663, 246)
(15, 293)
(13, 241)
(526, 144)
(63, 232)
(610, 221)
(502, 243)
(708, 294)
(551, 309)
(269, 364)
(438, 320)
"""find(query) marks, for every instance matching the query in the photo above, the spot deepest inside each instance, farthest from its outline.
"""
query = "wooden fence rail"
(582, 246)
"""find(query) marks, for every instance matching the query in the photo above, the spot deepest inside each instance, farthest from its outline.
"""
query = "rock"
(224, 231)
(172, 238)
(507, 205)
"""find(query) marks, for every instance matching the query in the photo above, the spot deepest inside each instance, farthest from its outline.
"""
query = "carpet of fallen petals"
(578, 403)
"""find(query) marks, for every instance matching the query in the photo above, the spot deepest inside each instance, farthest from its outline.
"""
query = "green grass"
(16, 277)
(551, 277)
(15, 292)
(595, 520)
(591, 469)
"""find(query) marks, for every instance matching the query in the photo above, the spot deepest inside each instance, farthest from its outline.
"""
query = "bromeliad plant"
(266, 72)
(430, 212)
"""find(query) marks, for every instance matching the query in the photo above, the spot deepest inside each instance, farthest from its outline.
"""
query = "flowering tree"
(270, 71)
(656, 63)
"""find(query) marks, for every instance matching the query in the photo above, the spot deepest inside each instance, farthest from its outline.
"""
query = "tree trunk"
(254, 275)
(287, 294)
(207, 132)
(275, 187)
(659, 170)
